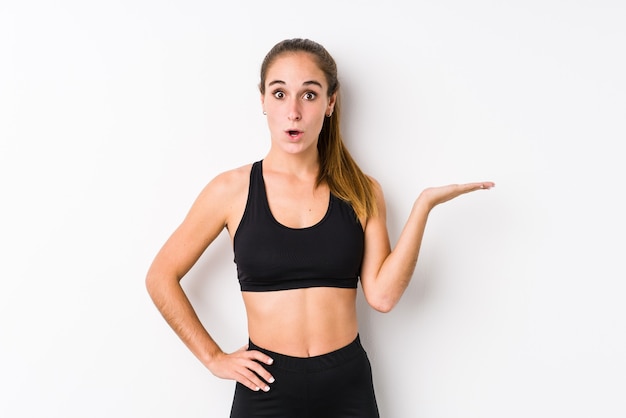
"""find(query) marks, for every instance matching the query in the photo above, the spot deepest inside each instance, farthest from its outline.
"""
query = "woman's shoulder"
(225, 192)
(227, 184)
(375, 182)
(233, 178)
(377, 189)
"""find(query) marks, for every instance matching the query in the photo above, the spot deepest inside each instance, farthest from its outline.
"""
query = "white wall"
(113, 116)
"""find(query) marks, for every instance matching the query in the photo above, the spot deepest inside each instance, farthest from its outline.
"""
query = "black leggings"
(333, 385)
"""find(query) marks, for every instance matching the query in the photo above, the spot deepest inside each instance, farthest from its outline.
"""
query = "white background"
(113, 116)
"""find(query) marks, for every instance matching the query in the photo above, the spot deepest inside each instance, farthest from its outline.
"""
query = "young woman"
(306, 225)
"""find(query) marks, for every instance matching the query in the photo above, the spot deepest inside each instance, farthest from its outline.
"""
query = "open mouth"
(293, 133)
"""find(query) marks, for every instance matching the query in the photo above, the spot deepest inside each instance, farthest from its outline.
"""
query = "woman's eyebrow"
(312, 82)
(271, 83)
(306, 83)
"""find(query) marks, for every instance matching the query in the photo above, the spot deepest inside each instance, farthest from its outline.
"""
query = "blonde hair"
(337, 167)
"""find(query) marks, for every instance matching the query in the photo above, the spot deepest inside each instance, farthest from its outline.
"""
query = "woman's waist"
(295, 343)
(302, 323)
(327, 360)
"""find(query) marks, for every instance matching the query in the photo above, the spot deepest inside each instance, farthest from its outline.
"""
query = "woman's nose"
(294, 111)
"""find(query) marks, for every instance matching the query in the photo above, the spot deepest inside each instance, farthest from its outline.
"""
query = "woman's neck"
(299, 165)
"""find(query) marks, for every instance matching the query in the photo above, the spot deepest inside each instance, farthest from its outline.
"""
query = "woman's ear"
(331, 104)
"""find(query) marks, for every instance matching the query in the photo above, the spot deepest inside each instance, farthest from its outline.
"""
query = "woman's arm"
(385, 274)
(207, 217)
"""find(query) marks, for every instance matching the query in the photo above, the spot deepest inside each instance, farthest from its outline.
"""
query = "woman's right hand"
(245, 366)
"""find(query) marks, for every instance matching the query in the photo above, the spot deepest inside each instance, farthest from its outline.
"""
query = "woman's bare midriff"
(302, 322)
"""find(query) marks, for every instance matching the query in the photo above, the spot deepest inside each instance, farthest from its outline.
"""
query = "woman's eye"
(279, 94)
(309, 96)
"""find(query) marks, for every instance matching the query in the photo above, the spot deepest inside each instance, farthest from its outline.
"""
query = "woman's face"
(295, 101)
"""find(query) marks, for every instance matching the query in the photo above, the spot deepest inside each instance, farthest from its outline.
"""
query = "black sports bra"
(271, 256)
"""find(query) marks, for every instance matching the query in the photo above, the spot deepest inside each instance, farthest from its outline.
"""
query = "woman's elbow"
(151, 284)
(155, 282)
(381, 304)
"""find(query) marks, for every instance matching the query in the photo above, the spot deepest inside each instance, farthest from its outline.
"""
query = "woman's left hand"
(434, 196)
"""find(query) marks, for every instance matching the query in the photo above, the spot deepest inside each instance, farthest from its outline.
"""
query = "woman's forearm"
(175, 307)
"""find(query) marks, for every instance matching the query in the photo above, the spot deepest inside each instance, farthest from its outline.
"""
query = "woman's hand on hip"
(245, 366)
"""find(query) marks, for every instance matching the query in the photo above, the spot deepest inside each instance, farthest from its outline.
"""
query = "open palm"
(434, 196)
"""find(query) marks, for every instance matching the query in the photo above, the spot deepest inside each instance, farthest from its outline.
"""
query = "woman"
(306, 224)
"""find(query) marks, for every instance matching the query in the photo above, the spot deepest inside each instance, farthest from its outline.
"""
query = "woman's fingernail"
(271, 380)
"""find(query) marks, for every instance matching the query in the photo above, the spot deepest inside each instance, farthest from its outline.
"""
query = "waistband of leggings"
(315, 363)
